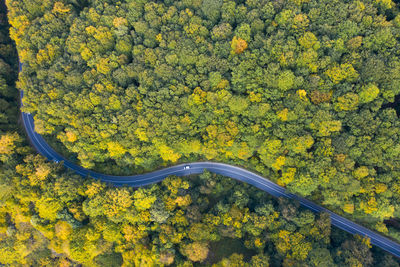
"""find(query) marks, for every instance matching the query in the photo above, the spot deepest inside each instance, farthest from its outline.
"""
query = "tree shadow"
(395, 105)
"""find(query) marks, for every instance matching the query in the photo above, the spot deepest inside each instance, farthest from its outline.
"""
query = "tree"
(286, 80)
(196, 251)
(211, 9)
(354, 253)
(238, 45)
(8, 143)
(369, 93)
(320, 257)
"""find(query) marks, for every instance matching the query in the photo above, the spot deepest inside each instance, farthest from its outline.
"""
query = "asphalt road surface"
(198, 167)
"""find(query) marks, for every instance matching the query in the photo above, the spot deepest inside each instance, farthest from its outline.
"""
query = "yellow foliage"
(53, 94)
(133, 233)
(287, 176)
(258, 243)
(48, 208)
(385, 210)
(159, 37)
(309, 40)
(92, 234)
(7, 143)
(143, 201)
(167, 154)
(103, 66)
(183, 201)
(193, 146)
(196, 251)
(144, 217)
(283, 114)
(86, 53)
(141, 134)
(349, 208)
(118, 200)
(300, 144)
(94, 188)
(179, 218)
(199, 96)
(104, 36)
(255, 97)
(244, 151)
(286, 58)
(118, 22)
(293, 245)
(280, 161)
(255, 128)
(381, 227)
(232, 128)
(59, 7)
(369, 93)
(309, 59)
(71, 136)
(325, 128)
(345, 71)
(192, 28)
(115, 149)
(302, 94)
(41, 56)
(19, 25)
(223, 84)
(361, 172)
(300, 22)
(174, 184)
(347, 102)
(24, 55)
(380, 188)
(328, 173)
(42, 171)
(370, 206)
(22, 236)
(63, 230)
(238, 45)
(364, 240)
(212, 131)
(386, 4)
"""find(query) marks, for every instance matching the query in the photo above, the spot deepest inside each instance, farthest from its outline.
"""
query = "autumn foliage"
(301, 91)
(238, 45)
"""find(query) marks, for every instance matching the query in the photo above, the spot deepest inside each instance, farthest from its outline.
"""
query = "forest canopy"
(302, 91)
(52, 217)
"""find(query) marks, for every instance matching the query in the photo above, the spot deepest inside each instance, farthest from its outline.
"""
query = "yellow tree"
(118, 201)
(196, 251)
(7, 143)
(115, 149)
(238, 45)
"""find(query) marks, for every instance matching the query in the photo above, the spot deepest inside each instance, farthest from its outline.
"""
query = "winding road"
(198, 167)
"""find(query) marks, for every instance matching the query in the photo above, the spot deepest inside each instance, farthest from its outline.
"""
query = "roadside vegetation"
(301, 91)
(52, 217)
(304, 92)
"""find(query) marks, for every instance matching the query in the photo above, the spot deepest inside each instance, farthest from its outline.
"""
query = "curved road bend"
(198, 167)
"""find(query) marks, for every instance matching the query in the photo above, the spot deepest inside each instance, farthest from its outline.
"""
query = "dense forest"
(52, 217)
(302, 91)
(58, 219)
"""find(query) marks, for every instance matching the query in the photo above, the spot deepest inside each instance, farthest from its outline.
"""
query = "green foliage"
(369, 93)
(95, 224)
(211, 9)
(286, 80)
(298, 90)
